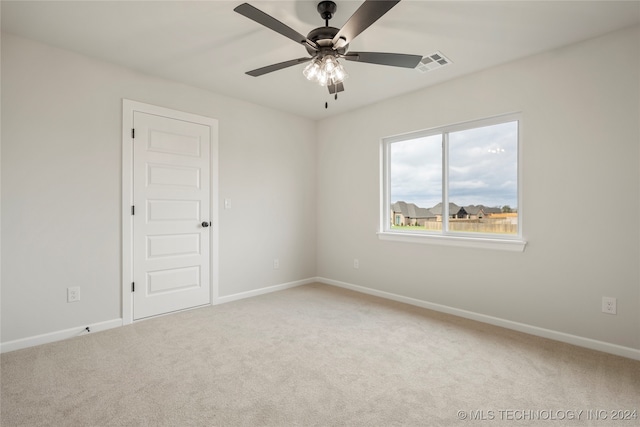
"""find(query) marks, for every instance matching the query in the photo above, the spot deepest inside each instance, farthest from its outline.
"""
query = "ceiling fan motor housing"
(323, 37)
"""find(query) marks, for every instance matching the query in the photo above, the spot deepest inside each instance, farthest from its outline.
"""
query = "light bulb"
(311, 71)
(323, 77)
(339, 74)
(329, 63)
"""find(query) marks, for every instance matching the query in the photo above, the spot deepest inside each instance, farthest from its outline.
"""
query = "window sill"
(514, 245)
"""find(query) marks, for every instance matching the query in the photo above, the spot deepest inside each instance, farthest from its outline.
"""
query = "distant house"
(403, 213)
(455, 211)
(491, 211)
(475, 212)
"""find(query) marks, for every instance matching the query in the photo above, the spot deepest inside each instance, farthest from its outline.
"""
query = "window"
(457, 183)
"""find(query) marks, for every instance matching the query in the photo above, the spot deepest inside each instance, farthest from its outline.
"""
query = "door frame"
(128, 109)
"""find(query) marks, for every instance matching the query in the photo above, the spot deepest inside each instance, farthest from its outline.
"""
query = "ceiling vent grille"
(432, 62)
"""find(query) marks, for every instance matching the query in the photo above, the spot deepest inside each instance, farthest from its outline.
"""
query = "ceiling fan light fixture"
(325, 71)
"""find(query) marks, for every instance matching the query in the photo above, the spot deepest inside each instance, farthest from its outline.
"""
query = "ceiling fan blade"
(255, 14)
(368, 13)
(275, 67)
(381, 58)
(336, 88)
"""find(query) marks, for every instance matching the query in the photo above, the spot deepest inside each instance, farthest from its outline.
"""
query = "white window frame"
(449, 238)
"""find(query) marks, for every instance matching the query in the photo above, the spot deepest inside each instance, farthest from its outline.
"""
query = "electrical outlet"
(356, 263)
(609, 305)
(227, 203)
(276, 264)
(73, 294)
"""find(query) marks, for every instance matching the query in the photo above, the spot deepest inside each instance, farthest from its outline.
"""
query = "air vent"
(432, 62)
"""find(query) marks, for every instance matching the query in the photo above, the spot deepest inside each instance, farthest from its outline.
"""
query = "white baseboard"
(101, 326)
(261, 291)
(606, 347)
(58, 335)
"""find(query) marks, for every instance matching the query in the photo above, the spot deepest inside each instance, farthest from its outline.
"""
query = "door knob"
(205, 224)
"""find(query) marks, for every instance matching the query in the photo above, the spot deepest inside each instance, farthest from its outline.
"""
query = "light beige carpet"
(314, 355)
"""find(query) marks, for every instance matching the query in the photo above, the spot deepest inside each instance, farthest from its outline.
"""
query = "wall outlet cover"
(73, 294)
(609, 305)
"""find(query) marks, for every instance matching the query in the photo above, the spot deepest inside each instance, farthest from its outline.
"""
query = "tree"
(506, 209)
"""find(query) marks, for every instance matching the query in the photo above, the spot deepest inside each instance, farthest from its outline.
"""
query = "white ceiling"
(206, 44)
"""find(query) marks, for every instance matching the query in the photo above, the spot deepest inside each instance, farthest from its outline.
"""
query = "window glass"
(416, 180)
(455, 180)
(483, 179)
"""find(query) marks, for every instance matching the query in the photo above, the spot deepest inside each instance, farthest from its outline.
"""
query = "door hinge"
(133, 286)
(133, 133)
(133, 210)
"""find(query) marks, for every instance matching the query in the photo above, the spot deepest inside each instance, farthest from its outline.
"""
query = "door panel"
(172, 245)
(173, 176)
(175, 279)
(172, 211)
(163, 142)
(171, 192)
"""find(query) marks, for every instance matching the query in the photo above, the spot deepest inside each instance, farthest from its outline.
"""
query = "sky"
(482, 168)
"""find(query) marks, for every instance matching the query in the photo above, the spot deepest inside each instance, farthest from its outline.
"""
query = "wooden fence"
(474, 226)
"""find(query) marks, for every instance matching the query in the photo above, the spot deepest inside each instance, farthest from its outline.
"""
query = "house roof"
(453, 209)
(474, 210)
(411, 210)
(488, 210)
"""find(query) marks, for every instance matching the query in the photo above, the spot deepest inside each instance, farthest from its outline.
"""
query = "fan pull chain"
(335, 97)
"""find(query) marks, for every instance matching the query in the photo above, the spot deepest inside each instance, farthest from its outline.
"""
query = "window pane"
(483, 179)
(416, 183)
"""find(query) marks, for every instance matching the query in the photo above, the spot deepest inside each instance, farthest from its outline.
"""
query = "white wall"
(61, 199)
(61, 187)
(580, 142)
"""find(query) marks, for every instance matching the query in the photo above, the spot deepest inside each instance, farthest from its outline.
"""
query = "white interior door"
(171, 218)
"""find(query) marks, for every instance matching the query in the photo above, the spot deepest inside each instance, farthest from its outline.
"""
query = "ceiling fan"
(328, 44)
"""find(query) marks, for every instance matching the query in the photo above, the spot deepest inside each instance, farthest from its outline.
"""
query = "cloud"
(482, 167)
